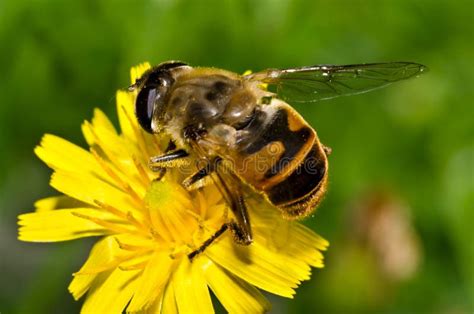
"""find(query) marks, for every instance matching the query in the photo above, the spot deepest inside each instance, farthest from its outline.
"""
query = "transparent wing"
(314, 83)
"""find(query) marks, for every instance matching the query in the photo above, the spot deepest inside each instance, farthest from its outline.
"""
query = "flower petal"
(125, 112)
(152, 281)
(305, 244)
(112, 294)
(192, 294)
(156, 307)
(57, 202)
(100, 134)
(256, 265)
(103, 133)
(89, 189)
(114, 151)
(137, 71)
(104, 251)
(60, 225)
(169, 305)
(59, 153)
(287, 238)
(235, 294)
(101, 119)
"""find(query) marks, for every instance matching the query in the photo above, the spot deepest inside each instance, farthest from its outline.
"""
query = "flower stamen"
(197, 217)
(179, 251)
(111, 209)
(130, 247)
(136, 266)
(127, 216)
(141, 171)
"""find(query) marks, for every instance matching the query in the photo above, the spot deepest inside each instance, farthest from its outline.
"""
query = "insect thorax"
(207, 101)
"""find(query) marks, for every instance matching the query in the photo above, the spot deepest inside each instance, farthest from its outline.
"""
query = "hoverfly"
(243, 132)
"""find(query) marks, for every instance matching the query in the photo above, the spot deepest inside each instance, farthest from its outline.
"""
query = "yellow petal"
(57, 202)
(100, 119)
(129, 256)
(256, 265)
(58, 153)
(294, 267)
(112, 294)
(235, 294)
(60, 225)
(305, 244)
(103, 134)
(287, 238)
(137, 71)
(104, 251)
(292, 243)
(169, 305)
(192, 294)
(138, 142)
(126, 115)
(213, 196)
(152, 281)
(156, 307)
(89, 189)
(88, 134)
(114, 152)
(100, 123)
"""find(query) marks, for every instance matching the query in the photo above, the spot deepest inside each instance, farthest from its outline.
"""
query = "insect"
(245, 134)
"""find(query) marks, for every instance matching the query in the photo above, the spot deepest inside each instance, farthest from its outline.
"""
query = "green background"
(410, 145)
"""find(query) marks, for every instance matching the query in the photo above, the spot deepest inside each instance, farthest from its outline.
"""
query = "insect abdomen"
(284, 160)
(303, 189)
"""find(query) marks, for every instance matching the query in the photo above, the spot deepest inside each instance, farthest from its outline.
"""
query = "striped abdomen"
(282, 157)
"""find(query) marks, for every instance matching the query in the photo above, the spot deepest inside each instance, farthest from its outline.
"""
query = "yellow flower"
(148, 227)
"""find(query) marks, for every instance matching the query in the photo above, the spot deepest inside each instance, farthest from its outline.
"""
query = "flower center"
(177, 219)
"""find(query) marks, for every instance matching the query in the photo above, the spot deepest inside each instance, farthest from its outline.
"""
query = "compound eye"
(144, 107)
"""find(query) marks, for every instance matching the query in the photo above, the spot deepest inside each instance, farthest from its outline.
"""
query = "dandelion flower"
(147, 227)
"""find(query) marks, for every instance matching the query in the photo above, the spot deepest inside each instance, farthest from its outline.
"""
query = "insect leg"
(168, 160)
(240, 229)
(160, 163)
(231, 191)
(229, 187)
(202, 173)
(208, 242)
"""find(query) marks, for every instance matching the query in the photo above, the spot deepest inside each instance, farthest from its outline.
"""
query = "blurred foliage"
(61, 59)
